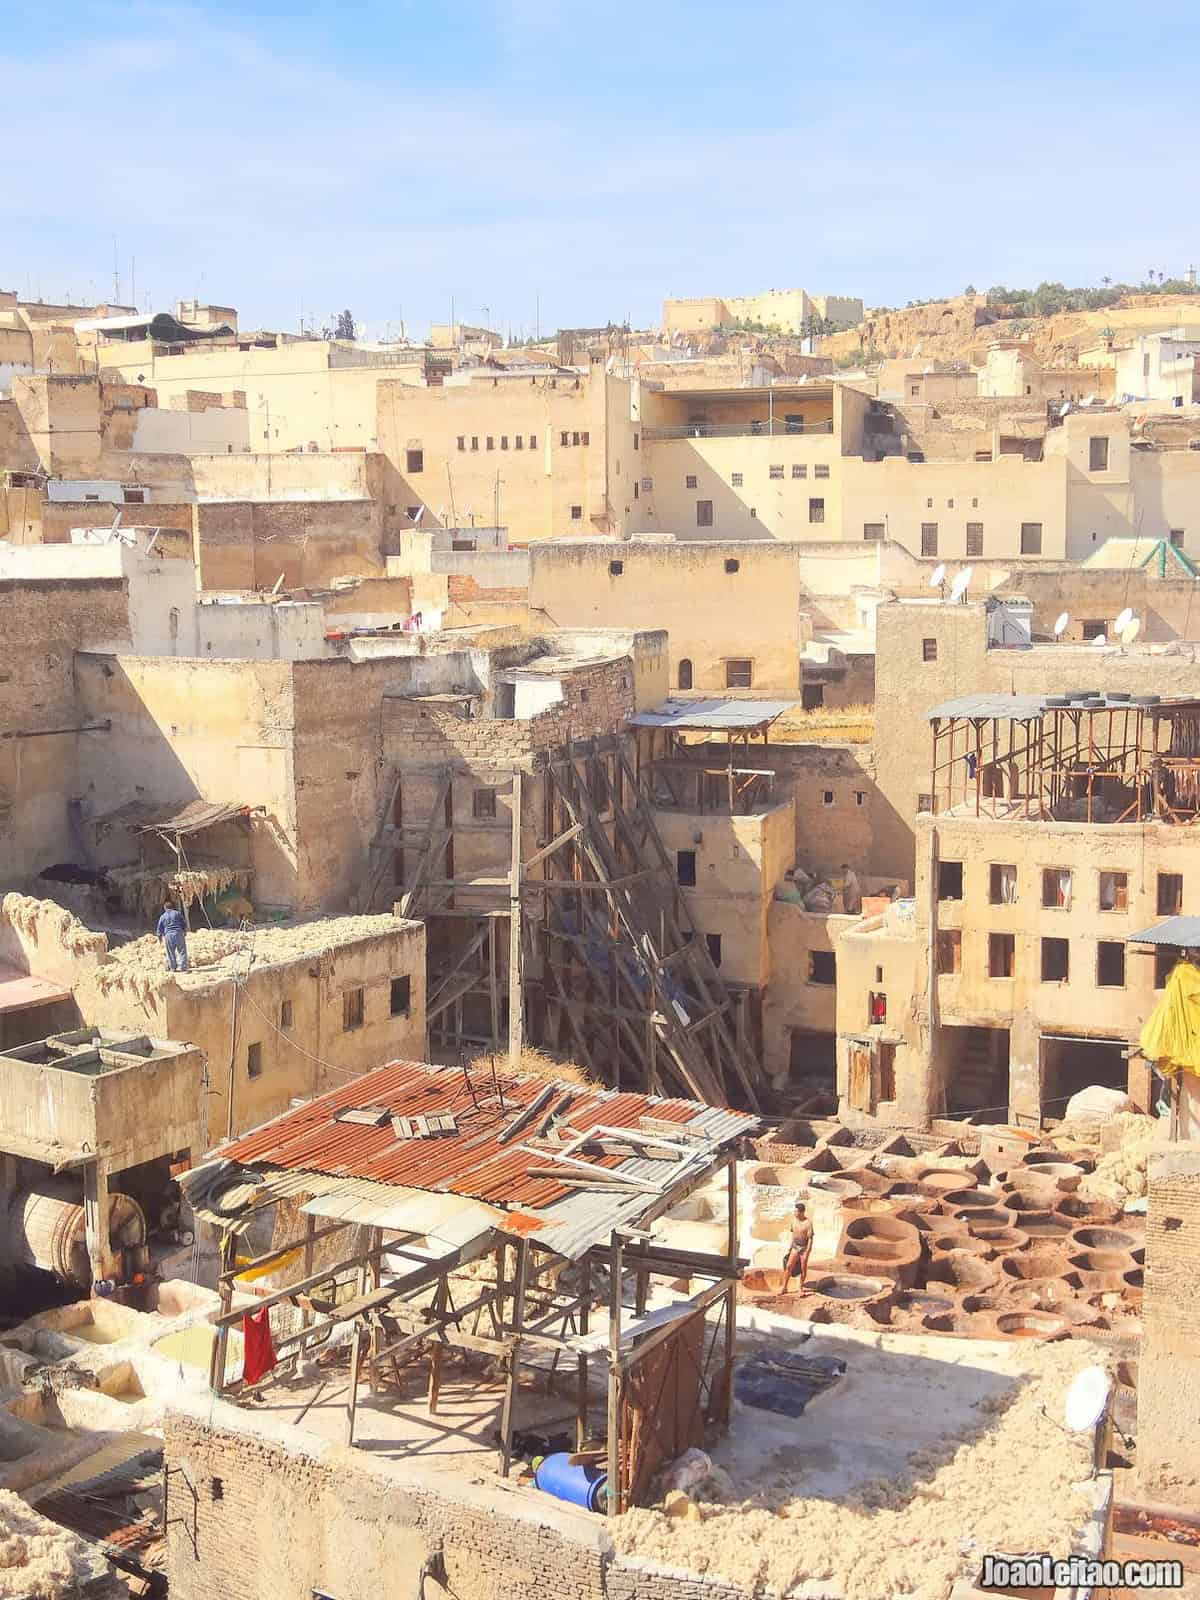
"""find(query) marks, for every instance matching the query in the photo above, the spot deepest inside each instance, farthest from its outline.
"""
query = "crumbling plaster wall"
(1169, 1369)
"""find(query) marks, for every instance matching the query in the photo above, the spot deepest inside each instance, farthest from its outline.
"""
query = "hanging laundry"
(259, 1355)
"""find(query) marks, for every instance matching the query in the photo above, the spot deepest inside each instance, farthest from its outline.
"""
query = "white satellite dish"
(961, 584)
(1124, 618)
(1060, 623)
(1131, 630)
(1100, 639)
(419, 515)
(1086, 1400)
(938, 576)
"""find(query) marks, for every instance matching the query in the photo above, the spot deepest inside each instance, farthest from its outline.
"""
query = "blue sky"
(289, 156)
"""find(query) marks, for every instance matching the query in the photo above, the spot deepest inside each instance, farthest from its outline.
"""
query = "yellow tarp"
(1171, 1037)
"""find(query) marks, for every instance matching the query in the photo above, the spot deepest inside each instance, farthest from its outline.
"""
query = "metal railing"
(767, 427)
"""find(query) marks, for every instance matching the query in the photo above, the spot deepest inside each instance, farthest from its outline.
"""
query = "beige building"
(783, 310)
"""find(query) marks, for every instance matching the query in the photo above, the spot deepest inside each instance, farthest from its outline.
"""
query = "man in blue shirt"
(172, 930)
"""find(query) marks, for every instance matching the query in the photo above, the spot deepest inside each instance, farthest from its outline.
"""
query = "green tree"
(344, 327)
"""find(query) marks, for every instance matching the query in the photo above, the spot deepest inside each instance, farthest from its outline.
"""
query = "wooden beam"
(517, 1320)
(565, 837)
(614, 1377)
(699, 1303)
(516, 1013)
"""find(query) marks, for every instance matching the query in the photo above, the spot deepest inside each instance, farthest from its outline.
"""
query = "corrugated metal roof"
(714, 715)
(1029, 707)
(1179, 931)
(307, 1147)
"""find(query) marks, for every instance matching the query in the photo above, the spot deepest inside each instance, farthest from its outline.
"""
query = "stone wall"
(1169, 1370)
(339, 1522)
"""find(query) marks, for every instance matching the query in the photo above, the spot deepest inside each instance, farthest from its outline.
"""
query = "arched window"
(685, 674)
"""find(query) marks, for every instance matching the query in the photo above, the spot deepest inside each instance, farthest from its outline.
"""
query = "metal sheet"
(1179, 931)
(445, 1217)
(714, 715)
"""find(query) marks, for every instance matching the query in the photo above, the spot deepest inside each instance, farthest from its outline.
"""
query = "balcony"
(766, 427)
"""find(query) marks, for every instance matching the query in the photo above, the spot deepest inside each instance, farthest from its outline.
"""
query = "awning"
(714, 716)
(21, 991)
(1179, 931)
(193, 816)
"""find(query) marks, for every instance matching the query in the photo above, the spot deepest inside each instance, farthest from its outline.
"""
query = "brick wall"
(1169, 1369)
(357, 1527)
(460, 587)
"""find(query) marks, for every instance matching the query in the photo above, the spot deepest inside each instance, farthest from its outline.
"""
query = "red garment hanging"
(259, 1356)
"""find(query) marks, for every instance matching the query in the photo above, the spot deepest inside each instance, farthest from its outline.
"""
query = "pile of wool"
(39, 1560)
(1121, 1174)
(37, 918)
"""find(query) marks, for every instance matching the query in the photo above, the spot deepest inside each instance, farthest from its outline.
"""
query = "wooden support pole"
(516, 1018)
(616, 1261)
(510, 1386)
(216, 1373)
(352, 1401)
(731, 1296)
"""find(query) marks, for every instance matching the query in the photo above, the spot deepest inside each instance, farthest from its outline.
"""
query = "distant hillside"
(962, 328)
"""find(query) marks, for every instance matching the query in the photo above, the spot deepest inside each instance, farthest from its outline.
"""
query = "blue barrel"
(580, 1485)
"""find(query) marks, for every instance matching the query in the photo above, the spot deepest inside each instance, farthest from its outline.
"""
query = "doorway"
(975, 1071)
(1071, 1063)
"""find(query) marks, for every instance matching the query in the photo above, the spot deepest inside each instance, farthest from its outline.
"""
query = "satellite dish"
(1086, 1400)
(1100, 639)
(1131, 630)
(419, 515)
(1123, 620)
(1060, 623)
(938, 576)
(961, 583)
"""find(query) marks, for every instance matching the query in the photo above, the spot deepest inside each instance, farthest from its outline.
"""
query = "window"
(929, 532)
(776, 472)
(576, 513)
(134, 497)
(704, 514)
(685, 868)
(876, 1008)
(1114, 891)
(254, 1060)
(483, 803)
(412, 512)
(800, 471)
(533, 441)
(1056, 960)
(489, 442)
(635, 489)
(1001, 947)
(914, 391)
(615, 568)
(474, 441)
(648, 485)
(713, 941)
(519, 442)
(739, 674)
(826, 797)
(1098, 454)
(950, 880)
(949, 951)
(754, 511)
(1177, 538)
(812, 695)
(924, 803)
(564, 438)
(735, 480)
(928, 649)
(949, 505)
(685, 674)
(1056, 888)
(352, 1009)
(1110, 964)
(285, 1013)
(504, 441)
(635, 441)
(974, 538)
(690, 481)
(860, 797)
(1094, 628)
(732, 565)
(401, 997)
(929, 505)
(821, 470)
(1002, 884)
(462, 441)
(873, 531)
(1170, 894)
(1031, 538)
(816, 510)
(586, 438)
(414, 460)
(822, 966)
